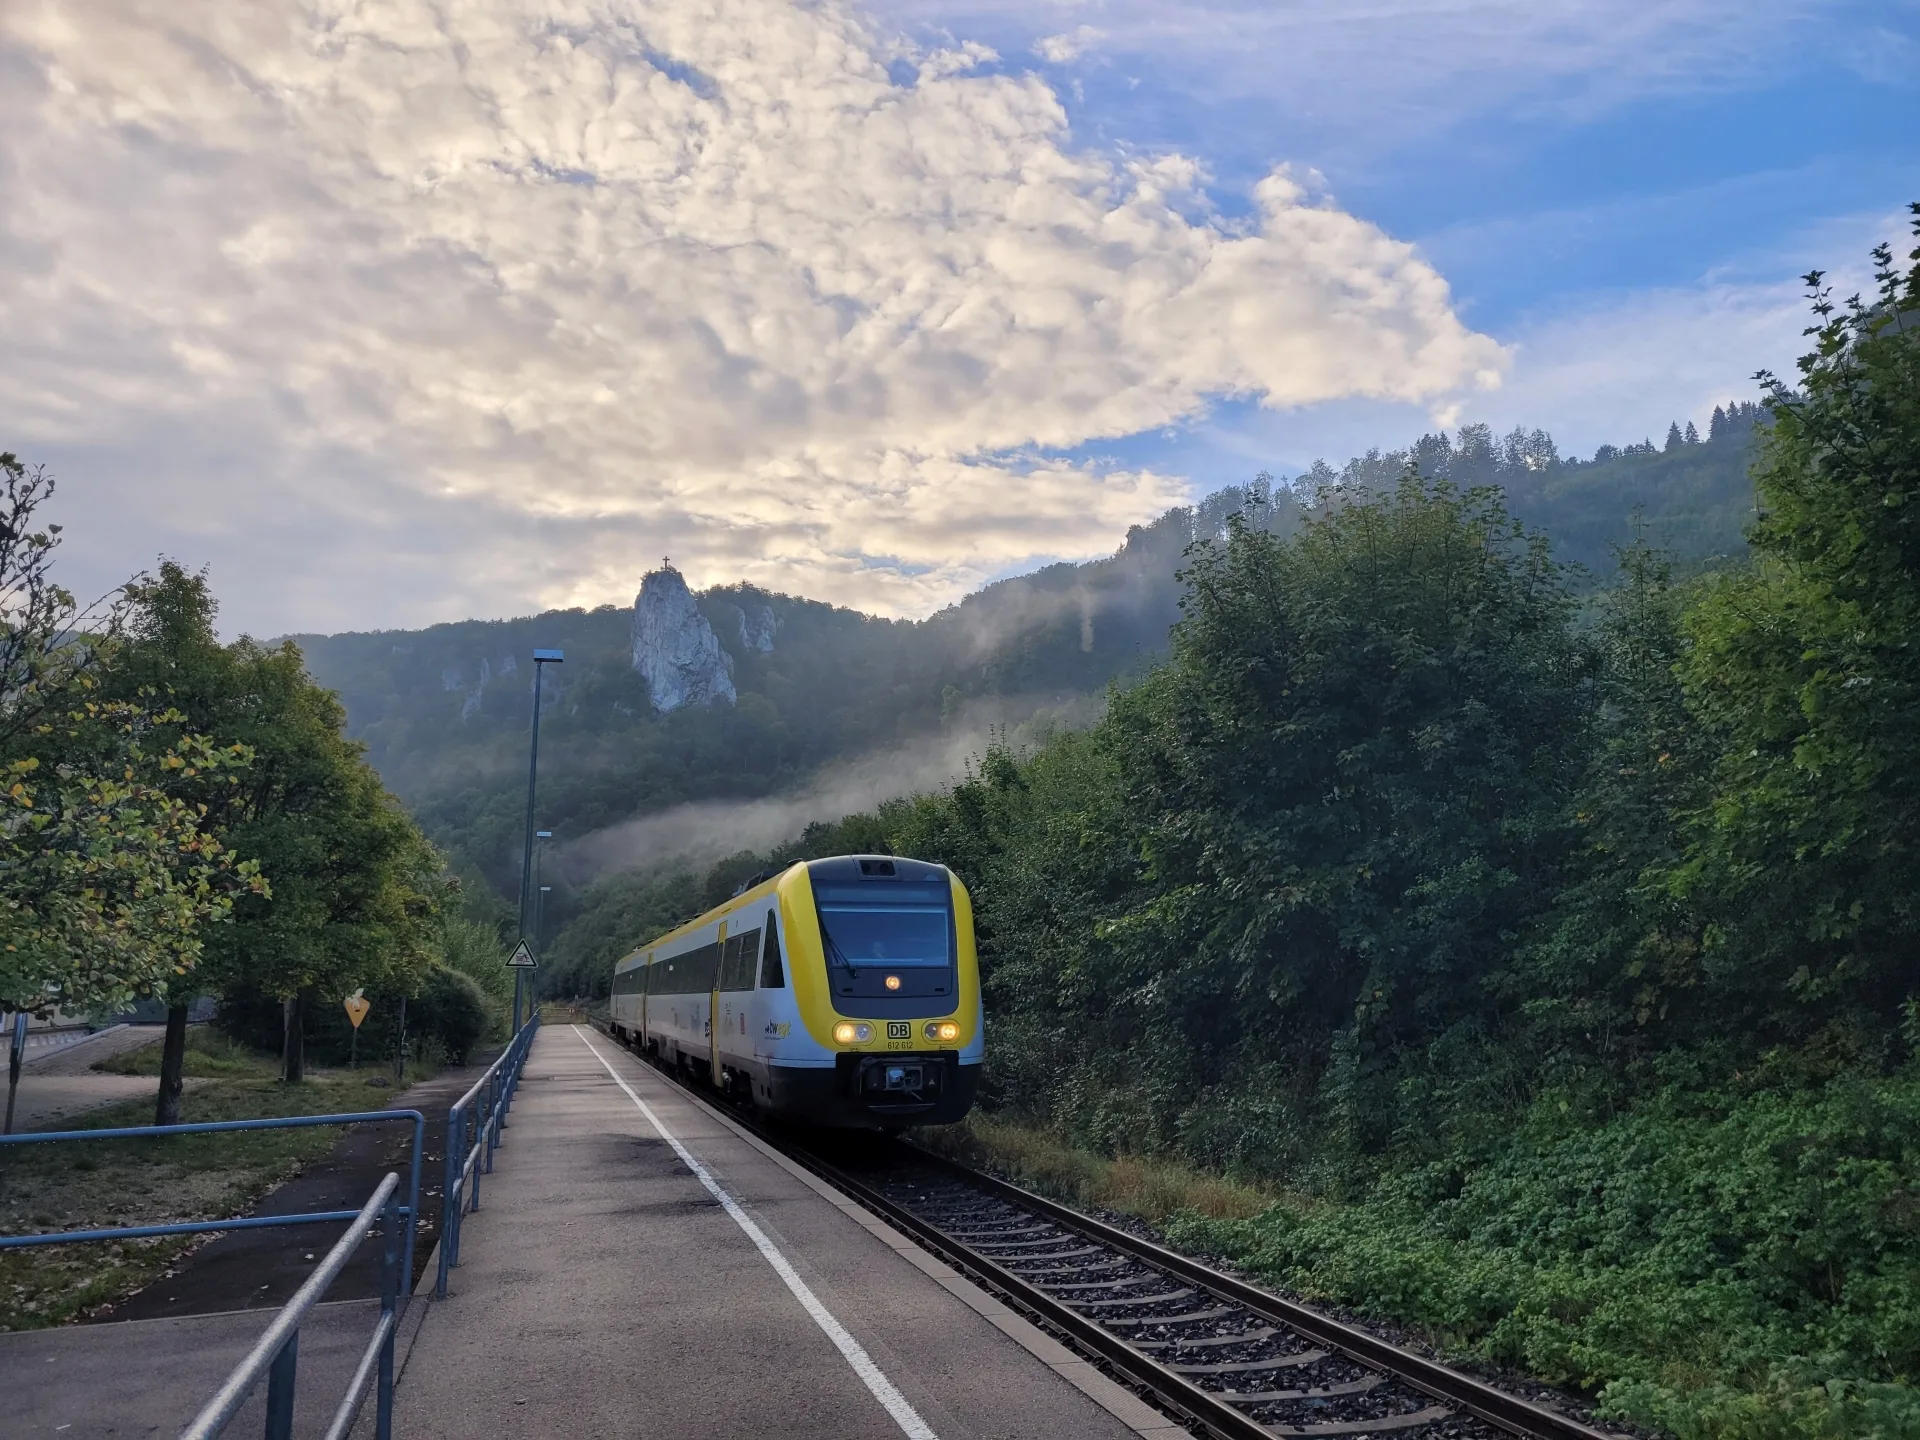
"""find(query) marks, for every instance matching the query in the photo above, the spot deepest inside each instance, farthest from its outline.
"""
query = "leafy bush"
(1739, 1261)
(453, 1012)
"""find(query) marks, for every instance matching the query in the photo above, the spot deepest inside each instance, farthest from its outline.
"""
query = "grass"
(210, 1055)
(82, 1184)
(1151, 1190)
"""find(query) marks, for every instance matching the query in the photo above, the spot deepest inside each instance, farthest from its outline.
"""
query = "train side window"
(703, 969)
(736, 971)
(772, 976)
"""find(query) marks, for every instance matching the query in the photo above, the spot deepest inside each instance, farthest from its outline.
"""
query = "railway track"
(1223, 1357)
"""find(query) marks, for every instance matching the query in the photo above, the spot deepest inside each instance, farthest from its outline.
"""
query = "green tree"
(1805, 673)
(354, 883)
(1352, 780)
(1619, 941)
(108, 874)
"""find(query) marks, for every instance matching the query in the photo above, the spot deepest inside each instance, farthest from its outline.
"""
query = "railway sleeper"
(1192, 1317)
(1013, 1260)
(1207, 1342)
(971, 1236)
(1129, 1300)
(1323, 1392)
(1248, 1367)
(1409, 1421)
(1141, 1279)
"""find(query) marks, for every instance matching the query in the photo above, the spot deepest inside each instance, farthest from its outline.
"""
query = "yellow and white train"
(839, 992)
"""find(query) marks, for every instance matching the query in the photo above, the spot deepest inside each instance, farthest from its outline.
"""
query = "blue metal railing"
(276, 1353)
(411, 1210)
(474, 1123)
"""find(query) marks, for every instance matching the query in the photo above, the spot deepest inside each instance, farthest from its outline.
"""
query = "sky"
(401, 312)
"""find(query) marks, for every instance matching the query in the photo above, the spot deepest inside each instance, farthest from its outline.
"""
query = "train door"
(771, 1007)
(725, 1051)
(713, 1009)
(739, 958)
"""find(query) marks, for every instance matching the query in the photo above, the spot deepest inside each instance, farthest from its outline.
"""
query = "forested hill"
(443, 711)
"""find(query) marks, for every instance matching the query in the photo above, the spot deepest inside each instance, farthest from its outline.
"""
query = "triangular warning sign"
(522, 957)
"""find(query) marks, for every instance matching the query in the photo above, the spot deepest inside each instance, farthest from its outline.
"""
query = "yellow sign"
(357, 1007)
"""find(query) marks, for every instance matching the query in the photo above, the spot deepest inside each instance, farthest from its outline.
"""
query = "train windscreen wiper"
(835, 956)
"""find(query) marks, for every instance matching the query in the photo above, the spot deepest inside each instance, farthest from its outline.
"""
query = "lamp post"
(538, 929)
(541, 659)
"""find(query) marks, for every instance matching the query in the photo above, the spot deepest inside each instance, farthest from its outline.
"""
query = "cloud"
(1065, 49)
(374, 305)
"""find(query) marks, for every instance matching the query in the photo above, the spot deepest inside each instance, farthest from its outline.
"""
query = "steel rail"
(1169, 1389)
(1172, 1391)
(1491, 1404)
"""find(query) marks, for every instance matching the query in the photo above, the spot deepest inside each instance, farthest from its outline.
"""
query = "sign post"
(521, 960)
(357, 1006)
(16, 1052)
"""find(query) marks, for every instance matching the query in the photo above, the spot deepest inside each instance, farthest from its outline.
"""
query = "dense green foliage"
(1736, 1258)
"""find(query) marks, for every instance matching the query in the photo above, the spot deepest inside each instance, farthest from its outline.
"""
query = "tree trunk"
(293, 1042)
(173, 1064)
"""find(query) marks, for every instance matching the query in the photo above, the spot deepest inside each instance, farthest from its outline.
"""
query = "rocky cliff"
(675, 649)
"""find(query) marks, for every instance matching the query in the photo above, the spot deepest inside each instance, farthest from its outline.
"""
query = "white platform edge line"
(1119, 1402)
(871, 1375)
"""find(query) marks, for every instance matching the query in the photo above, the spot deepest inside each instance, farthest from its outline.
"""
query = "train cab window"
(772, 976)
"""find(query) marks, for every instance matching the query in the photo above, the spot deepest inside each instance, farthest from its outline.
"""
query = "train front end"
(886, 984)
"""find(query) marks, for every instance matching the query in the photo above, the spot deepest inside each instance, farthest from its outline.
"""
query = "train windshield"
(861, 929)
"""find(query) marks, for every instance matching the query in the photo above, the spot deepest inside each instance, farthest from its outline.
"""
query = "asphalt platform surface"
(605, 1290)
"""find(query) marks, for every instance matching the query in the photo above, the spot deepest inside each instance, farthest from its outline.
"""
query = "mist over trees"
(443, 712)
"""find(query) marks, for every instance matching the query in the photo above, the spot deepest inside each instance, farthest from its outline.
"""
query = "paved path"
(150, 1377)
(59, 1082)
(78, 1057)
(607, 1289)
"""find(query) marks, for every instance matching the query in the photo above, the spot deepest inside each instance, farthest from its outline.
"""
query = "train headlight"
(942, 1030)
(848, 1032)
(893, 982)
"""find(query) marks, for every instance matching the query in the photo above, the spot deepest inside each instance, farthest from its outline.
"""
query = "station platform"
(642, 1266)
